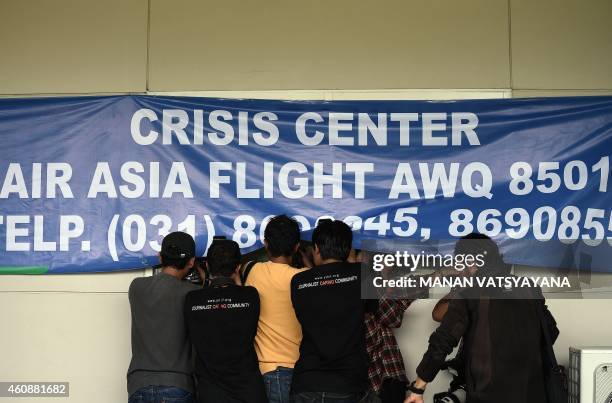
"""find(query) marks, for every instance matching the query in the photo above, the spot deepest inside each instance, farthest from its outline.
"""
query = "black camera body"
(456, 393)
(456, 396)
(200, 261)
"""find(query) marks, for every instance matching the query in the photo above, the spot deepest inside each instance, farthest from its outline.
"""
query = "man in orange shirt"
(279, 334)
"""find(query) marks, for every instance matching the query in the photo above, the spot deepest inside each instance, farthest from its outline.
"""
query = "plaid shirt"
(385, 356)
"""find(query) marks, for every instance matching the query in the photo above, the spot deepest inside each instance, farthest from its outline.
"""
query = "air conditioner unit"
(590, 375)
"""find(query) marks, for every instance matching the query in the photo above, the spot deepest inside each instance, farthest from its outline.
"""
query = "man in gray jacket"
(161, 368)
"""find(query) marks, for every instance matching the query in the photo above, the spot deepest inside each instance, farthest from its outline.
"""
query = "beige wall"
(73, 328)
(93, 46)
(81, 338)
(81, 334)
(322, 44)
(563, 44)
(72, 46)
(76, 328)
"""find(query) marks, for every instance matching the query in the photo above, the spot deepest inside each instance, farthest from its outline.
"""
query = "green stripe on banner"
(23, 269)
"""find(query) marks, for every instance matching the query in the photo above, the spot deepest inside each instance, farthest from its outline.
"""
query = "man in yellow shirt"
(279, 334)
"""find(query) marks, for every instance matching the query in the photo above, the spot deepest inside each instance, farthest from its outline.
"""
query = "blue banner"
(92, 184)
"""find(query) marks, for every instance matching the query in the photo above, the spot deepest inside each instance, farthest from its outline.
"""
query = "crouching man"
(221, 323)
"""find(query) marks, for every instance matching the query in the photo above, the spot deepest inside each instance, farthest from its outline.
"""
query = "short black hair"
(223, 257)
(177, 263)
(282, 235)
(481, 244)
(333, 238)
(477, 243)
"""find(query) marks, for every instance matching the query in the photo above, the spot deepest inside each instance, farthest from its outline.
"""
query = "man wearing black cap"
(221, 323)
(161, 368)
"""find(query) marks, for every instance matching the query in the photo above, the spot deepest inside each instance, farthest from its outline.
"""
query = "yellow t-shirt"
(279, 333)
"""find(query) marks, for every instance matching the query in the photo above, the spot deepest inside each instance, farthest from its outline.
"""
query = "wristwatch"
(414, 389)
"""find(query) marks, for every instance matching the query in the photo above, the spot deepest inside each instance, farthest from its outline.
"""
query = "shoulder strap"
(548, 344)
(481, 363)
(246, 270)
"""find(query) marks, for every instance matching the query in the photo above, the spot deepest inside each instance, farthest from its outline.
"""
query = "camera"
(456, 392)
(456, 396)
(200, 262)
(194, 276)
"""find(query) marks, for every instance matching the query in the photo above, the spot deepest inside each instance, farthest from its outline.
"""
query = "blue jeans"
(161, 394)
(278, 384)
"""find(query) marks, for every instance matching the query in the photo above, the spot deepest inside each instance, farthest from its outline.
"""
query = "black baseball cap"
(178, 245)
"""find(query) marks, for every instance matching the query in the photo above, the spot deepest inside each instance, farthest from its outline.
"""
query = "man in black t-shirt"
(221, 323)
(333, 363)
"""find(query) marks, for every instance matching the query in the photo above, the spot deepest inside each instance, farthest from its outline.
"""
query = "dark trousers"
(278, 384)
(210, 393)
(161, 394)
(327, 397)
